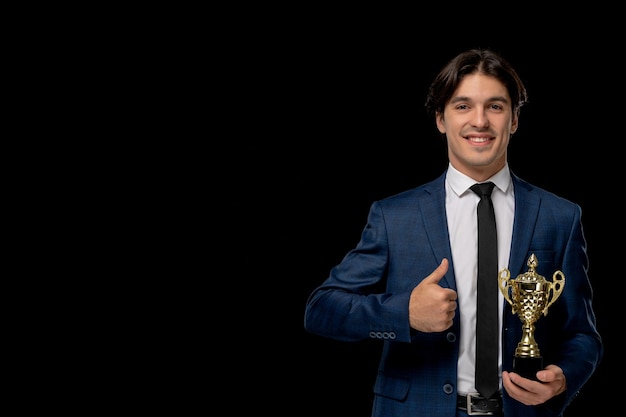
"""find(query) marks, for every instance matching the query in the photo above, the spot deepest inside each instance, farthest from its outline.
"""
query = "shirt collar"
(461, 183)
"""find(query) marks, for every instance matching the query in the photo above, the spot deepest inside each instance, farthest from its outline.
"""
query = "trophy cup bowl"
(529, 295)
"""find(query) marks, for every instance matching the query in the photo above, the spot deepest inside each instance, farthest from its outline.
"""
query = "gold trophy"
(530, 295)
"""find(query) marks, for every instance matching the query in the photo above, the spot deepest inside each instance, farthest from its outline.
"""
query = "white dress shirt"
(461, 204)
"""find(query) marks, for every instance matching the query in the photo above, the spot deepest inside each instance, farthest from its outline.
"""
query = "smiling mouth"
(477, 140)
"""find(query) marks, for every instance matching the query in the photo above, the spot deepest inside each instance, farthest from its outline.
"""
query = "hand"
(529, 392)
(431, 307)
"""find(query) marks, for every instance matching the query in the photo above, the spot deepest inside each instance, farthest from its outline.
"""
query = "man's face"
(478, 121)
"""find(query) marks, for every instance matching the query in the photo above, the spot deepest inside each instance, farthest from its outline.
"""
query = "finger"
(546, 376)
(438, 273)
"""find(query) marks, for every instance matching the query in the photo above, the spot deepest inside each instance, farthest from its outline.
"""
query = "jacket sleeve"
(353, 303)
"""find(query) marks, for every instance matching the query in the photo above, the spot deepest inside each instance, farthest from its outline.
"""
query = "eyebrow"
(458, 99)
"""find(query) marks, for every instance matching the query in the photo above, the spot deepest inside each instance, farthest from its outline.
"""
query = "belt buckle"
(469, 406)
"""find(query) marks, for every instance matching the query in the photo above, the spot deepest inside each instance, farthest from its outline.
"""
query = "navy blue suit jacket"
(404, 240)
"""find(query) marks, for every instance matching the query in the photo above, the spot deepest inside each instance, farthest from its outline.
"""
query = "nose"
(479, 118)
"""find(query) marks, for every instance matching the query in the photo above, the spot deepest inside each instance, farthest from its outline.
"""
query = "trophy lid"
(531, 275)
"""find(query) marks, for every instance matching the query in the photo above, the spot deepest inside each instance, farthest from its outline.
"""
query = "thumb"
(438, 273)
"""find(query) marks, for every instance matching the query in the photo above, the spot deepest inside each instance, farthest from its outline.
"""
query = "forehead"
(481, 87)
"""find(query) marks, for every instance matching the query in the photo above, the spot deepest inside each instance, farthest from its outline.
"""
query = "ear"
(440, 123)
(514, 123)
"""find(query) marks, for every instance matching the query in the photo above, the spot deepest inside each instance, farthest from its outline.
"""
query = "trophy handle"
(504, 285)
(556, 288)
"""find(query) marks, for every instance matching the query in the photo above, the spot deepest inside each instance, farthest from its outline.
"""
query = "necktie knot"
(483, 189)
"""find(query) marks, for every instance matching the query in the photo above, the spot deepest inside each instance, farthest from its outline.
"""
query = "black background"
(338, 122)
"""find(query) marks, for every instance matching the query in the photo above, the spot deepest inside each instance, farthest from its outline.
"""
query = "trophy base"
(527, 367)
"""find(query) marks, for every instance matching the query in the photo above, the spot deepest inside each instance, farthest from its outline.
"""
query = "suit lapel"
(433, 210)
(526, 212)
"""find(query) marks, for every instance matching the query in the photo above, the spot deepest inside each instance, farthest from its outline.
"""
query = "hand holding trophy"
(530, 295)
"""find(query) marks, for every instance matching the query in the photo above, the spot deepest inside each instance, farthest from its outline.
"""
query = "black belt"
(475, 405)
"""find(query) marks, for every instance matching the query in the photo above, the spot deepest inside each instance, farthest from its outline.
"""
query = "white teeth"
(479, 139)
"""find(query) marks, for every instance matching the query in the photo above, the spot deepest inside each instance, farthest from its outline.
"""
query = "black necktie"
(487, 295)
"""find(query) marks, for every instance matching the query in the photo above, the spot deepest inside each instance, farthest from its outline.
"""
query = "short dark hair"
(483, 61)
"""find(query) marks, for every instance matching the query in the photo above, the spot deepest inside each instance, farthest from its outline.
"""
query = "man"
(421, 246)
